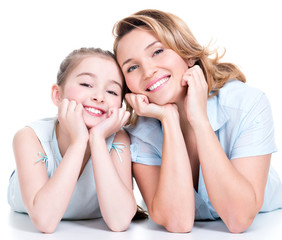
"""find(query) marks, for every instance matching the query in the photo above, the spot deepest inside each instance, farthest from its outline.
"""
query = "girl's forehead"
(100, 67)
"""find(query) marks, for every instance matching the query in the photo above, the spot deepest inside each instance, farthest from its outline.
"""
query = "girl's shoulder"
(122, 136)
(36, 133)
(24, 135)
(44, 128)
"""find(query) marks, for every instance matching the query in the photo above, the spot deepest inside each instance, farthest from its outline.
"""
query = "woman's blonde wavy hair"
(173, 32)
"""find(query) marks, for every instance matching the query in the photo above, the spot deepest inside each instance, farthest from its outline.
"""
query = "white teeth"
(158, 83)
(93, 110)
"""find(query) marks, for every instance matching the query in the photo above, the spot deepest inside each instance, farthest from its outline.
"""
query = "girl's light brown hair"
(174, 33)
(75, 58)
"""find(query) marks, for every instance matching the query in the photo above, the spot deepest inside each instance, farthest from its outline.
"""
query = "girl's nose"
(98, 97)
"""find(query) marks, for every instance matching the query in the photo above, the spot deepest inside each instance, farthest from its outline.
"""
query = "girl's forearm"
(51, 202)
(116, 200)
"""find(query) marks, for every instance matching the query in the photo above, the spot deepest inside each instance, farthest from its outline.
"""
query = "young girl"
(202, 149)
(66, 166)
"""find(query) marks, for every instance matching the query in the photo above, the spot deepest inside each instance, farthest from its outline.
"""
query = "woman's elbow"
(238, 221)
(175, 223)
(239, 224)
(179, 227)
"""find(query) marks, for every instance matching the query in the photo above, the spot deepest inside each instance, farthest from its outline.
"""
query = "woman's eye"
(112, 92)
(158, 52)
(132, 68)
(85, 85)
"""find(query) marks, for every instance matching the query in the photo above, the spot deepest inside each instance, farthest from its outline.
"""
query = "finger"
(129, 97)
(125, 117)
(79, 108)
(63, 107)
(71, 106)
(112, 112)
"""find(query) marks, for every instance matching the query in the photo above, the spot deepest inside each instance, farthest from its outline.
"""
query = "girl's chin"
(94, 122)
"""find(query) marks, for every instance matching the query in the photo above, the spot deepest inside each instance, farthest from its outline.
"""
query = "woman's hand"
(71, 121)
(197, 93)
(143, 107)
(116, 118)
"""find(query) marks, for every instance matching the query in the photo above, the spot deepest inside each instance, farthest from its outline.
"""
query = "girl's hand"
(71, 121)
(143, 107)
(197, 93)
(116, 118)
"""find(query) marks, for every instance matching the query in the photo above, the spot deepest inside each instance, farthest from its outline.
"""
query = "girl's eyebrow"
(94, 76)
(87, 74)
(115, 82)
(150, 45)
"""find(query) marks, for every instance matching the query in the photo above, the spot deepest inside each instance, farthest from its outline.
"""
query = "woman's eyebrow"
(150, 45)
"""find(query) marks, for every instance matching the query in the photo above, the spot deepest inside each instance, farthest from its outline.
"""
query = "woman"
(203, 145)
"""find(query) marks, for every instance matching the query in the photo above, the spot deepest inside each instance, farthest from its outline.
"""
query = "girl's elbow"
(122, 223)
(119, 225)
(44, 225)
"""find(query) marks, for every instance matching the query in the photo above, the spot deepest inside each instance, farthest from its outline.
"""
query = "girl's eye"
(158, 52)
(132, 68)
(112, 92)
(85, 85)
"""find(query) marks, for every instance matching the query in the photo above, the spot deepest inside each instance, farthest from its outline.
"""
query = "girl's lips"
(98, 112)
(157, 83)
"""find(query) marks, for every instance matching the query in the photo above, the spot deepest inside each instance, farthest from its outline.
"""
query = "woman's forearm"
(173, 203)
(230, 193)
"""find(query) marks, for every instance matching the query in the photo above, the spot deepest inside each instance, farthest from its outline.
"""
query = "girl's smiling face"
(97, 84)
(150, 68)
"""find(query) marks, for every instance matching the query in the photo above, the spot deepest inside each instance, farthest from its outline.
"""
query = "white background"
(36, 35)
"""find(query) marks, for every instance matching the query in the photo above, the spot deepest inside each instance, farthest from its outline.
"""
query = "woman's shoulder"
(238, 95)
(145, 127)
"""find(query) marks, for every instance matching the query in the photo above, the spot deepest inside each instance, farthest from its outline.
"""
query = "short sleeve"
(256, 131)
(146, 141)
(144, 153)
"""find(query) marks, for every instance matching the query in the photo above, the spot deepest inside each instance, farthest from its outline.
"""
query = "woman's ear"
(56, 94)
(191, 62)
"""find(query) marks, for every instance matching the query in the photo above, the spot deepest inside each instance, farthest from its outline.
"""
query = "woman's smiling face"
(150, 68)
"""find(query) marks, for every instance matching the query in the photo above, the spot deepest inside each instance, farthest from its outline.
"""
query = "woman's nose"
(148, 70)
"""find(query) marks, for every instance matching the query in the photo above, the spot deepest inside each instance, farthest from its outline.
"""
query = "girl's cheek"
(72, 93)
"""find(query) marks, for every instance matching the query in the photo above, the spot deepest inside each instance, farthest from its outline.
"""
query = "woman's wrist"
(170, 114)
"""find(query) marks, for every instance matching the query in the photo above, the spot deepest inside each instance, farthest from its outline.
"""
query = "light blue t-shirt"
(84, 202)
(241, 118)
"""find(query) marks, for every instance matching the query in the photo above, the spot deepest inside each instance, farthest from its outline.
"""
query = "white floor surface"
(18, 226)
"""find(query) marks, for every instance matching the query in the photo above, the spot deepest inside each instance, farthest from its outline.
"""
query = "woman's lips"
(157, 84)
